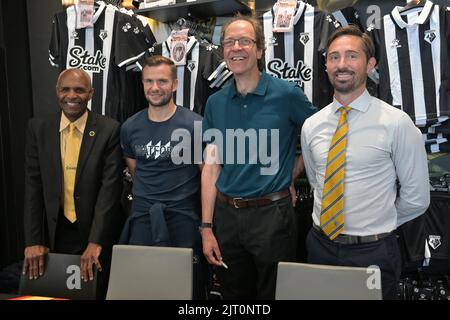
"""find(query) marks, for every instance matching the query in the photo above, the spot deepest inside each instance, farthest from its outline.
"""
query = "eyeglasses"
(243, 42)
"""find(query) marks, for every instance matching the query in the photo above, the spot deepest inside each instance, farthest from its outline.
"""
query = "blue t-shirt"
(263, 120)
(158, 177)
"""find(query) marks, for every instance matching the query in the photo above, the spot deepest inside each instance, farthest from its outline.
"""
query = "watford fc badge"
(430, 35)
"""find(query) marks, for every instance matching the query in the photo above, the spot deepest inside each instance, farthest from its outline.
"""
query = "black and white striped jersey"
(205, 72)
(298, 56)
(412, 51)
(348, 16)
(115, 40)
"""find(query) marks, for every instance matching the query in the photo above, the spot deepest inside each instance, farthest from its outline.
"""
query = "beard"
(348, 85)
(161, 103)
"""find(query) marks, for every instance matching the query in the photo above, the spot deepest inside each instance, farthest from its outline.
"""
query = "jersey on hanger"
(412, 52)
(204, 72)
(299, 55)
(348, 16)
(115, 40)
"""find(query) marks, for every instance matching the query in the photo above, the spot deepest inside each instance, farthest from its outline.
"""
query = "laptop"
(150, 273)
(61, 279)
(301, 281)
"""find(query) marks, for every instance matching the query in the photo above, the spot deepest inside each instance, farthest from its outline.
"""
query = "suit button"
(77, 198)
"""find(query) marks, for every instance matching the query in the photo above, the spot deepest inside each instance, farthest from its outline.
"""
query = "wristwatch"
(206, 225)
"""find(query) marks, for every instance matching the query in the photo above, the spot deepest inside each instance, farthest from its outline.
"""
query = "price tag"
(178, 46)
(284, 15)
(85, 13)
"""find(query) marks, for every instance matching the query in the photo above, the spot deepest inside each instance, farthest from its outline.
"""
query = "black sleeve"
(34, 198)
(54, 46)
(130, 40)
(107, 218)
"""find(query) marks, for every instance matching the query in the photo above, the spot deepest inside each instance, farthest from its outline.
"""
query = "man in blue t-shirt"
(251, 128)
(159, 147)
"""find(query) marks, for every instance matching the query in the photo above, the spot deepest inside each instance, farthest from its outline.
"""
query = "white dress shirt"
(383, 145)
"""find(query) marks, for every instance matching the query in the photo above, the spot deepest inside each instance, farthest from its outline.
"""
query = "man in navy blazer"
(98, 182)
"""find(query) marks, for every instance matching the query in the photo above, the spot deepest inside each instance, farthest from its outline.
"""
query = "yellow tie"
(70, 171)
(332, 213)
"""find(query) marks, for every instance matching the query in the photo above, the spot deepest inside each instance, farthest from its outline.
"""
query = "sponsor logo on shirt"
(82, 59)
(299, 74)
(155, 151)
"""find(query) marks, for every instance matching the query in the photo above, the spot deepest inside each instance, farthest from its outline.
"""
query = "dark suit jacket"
(98, 182)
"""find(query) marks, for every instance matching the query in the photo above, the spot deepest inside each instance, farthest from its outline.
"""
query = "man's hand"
(293, 194)
(211, 247)
(33, 263)
(89, 258)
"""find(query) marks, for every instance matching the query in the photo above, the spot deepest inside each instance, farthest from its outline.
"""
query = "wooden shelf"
(195, 9)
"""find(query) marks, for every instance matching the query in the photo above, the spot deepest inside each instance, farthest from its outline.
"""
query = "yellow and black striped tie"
(332, 213)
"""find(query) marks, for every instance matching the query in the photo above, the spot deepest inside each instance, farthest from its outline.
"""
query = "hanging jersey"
(204, 72)
(437, 227)
(412, 52)
(427, 236)
(348, 16)
(115, 40)
(298, 56)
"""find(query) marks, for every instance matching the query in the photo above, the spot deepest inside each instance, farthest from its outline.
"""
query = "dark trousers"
(69, 241)
(384, 253)
(184, 233)
(252, 241)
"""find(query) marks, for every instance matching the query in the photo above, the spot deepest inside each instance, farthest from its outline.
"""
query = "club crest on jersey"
(434, 241)
(103, 34)
(430, 35)
(81, 59)
(304, 38)
(396, 43)
(126, 27)
(300, 74)
(191, 65)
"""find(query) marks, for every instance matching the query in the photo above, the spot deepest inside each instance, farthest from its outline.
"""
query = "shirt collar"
(80, 123)
(421, 19)
(99, 11)
(361, 103)
(260, 89)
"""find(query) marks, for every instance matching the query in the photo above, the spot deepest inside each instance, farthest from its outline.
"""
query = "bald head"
(74, 90)
(77, 73)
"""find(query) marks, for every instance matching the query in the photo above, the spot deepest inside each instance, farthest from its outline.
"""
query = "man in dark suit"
(72, 207)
